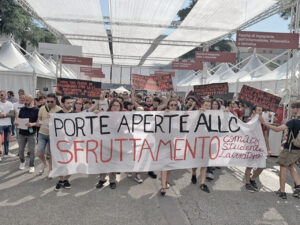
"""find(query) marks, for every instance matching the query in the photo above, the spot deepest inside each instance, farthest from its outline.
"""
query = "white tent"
(223, 73)
(15, 71)
(120, 90)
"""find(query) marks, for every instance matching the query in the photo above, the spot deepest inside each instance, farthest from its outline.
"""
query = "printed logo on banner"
(78, 88)
(147, 141)
(255, 96)
(154, 83)
(211, 89)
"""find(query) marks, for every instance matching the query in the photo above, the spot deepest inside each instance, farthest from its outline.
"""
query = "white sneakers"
(11, 155)
(22, 166)
(42, 169)
(31, 169)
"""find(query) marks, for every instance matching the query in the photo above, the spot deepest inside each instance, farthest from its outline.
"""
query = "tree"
(220, 46)
(16, 21)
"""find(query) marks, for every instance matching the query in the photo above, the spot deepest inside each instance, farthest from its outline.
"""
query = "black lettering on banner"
(55, 125)
(236, 121)
(170, 120)
(146, 122)
(210, 124)
(102, 125)
(183, 122)
(202, 116)
(220, 126)
(78, 127)
(124, 123)
(67, 129)
(158, 124)
(134, 122)
(91, 122)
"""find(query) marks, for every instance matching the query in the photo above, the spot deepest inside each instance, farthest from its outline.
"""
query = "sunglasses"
(50, 101)
(78, 103)
(173, 104)
(2, 95)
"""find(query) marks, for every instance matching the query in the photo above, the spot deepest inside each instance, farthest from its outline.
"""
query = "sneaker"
(254, 185)
(66, 184)
(0, 158)
(209, 176)
(250, 188)
(138, 179)
(100, 184)
(194, 179)
(31, 169)
(296, 193)
(113, 185)
(42, 169)
(129, 175)
(59, 185)
(152, 175)
(204, 188)
(282, 195)
(11, 155)
(22, 166)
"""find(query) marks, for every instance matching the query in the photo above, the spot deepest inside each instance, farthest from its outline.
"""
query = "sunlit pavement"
(30, 199)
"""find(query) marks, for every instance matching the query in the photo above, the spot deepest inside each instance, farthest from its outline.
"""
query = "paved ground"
(29, 199)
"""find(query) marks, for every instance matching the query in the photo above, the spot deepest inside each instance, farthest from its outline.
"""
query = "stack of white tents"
(29, 73)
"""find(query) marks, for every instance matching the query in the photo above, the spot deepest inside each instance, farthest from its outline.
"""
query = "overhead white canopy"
(13, 59)
(136, 25)
(39, 67)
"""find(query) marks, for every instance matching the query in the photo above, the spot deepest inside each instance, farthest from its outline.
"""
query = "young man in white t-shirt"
(6, 113)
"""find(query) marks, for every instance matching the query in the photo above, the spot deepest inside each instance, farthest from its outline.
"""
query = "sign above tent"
(60, 49)
(152, 83)
(229, 57)
(92, 72)
(77, 60)
(187, 65)
(211, 89)
(259, 98)
(267, 40)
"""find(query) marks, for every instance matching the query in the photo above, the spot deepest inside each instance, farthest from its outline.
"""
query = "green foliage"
(16, 21)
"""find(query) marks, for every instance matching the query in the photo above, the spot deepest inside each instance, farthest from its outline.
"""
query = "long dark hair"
(112, 102)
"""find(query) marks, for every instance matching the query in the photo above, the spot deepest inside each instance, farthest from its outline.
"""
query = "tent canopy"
(222, 73)
(121, 90)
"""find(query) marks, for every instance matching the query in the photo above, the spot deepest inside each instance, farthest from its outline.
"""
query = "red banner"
(92, 72)
(267, 40)
(187, 65)
(78, 88)
(260, 98)
(215, 57)
(152, 83)
(160, 73)
(77, 60)
(211, 89)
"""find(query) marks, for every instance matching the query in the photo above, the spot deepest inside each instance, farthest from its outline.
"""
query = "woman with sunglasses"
(114, 106)
(165, 175)
(78, 106)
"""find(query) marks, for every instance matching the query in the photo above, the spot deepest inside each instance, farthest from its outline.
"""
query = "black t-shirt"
(32, 114)
(294, 126)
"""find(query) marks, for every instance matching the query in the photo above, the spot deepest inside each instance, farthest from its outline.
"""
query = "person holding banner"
(165, 175)
(291, 153)
(66, 103)
(205, 106)
(43, 122)
(114, 106)
(78, 106)
(251, 185)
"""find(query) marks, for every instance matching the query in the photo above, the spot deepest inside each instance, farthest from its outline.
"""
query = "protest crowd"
(28, 119)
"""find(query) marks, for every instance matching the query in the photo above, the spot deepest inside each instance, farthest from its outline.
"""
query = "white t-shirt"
(103, 104)
(17, 107)
(4, 109)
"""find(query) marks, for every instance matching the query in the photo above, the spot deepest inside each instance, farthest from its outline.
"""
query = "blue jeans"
(6, 130)
(43, 141)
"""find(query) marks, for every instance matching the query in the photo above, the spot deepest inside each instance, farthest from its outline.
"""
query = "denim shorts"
(43, 140)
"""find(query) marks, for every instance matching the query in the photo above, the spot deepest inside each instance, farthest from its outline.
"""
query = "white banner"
(145, 141)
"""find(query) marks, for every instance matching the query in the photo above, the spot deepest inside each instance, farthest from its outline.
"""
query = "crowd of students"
(36, 111)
